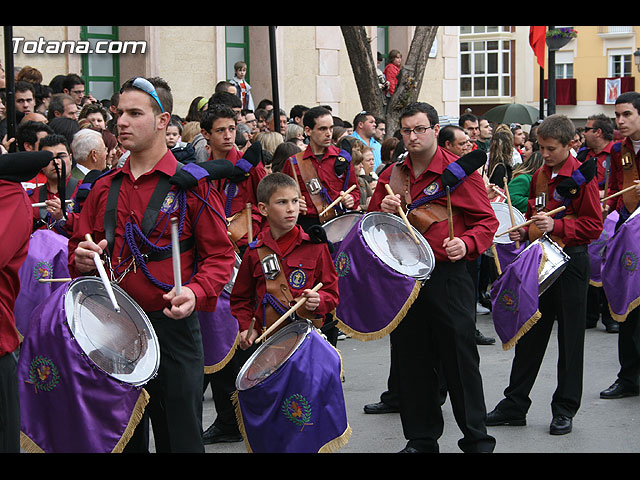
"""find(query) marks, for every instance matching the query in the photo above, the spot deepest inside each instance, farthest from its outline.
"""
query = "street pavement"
(600, 426)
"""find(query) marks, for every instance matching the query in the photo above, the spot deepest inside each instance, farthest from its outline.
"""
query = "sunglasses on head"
(147, 87)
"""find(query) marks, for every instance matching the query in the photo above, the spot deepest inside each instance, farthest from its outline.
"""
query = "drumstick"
(249, 223)
(53, 280)
(103, 276)
(403, 216)
(297, 305)
(625, 190)
(449, 213)
(175, 251)
(494, 250)
(513, 218)
(529, 222)
(43, 204)
(337, 200)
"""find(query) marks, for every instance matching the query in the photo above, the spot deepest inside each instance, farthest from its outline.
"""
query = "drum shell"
(555, 261)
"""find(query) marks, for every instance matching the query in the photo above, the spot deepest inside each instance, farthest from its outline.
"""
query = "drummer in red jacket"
(439, 328)
(566, 299)
(300, 264)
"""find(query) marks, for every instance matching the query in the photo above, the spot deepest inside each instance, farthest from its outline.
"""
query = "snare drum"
(504, 217)
(380, 272)
(229, 286)
(81, 370)
(289, 394)
(338, 228)
(554, 261)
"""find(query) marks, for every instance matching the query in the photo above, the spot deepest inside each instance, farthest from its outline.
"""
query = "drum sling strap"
(148, 221)
(309, 175)
(423, 215)
(278, 295)
(542, 186)
(629, 174)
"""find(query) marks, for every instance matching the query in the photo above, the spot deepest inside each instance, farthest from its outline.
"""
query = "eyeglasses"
(419, 130)
(147, 87)
(586, 129)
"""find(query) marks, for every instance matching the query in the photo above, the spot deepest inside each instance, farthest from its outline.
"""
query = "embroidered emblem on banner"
(42, 269)
(70, 206)
(297, 278)
(169, 205)
(342, 264)
(43, 374)
(297, 409)
(431, 189)
(509, 300)
(630, 261)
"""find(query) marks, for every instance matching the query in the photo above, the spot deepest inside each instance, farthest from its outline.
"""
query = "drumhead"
(388, 237)
(504, 217)
(271, 355)
(337, 228)
(123, 345)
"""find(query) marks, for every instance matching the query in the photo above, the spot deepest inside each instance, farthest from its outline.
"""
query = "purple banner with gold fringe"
(300, 407)
(219, 334)
(514, 297)
(620, 279)
(46, 259)
(597, 248)
(67, 404)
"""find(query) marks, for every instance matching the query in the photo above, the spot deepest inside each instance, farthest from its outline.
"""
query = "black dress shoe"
(380, 407)
(612, 327)
(617, 390)
(484, 340)
(496, 418)
(409, 449)
(560, 425)
(214, 434)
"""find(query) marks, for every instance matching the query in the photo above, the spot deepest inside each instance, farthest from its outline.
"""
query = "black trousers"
(439, 329)
(564, 301)
(175, 404)
(629, 350)
(9, 405)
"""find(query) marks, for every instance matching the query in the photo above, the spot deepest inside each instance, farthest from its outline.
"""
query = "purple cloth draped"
(620, 269)
(597, 248)
(47, 258)
(300, 407)
(373, 297)
(67, 404)
(514, 297)
(219, 334)
(507, 252)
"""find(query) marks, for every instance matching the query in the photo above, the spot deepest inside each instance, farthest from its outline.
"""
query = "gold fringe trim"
(365, 337)
(136, 416)
(329, 447)
(222, 363)
(594, 283)
(621, 318)
(543, 260)
(524, 329)
(29, 446)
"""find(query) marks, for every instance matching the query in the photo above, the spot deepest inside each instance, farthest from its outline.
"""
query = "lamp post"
(636, 58)
(551, 103)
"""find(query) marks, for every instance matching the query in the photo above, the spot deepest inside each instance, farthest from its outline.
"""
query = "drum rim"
(520, 218)
(423, 242)
(153, 338)
(303, 324)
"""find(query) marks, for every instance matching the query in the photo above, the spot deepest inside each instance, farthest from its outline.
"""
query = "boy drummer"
(293, 263)
(565, 300)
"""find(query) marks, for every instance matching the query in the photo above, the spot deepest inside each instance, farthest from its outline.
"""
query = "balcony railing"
(617, 31)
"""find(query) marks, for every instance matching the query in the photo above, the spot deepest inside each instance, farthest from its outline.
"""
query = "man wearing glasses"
(439, 328)
(175, 406)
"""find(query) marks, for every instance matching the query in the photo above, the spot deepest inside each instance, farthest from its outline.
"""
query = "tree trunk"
(409, 78)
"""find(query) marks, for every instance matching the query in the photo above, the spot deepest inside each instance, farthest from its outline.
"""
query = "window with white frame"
(620, 62)
(485, 66)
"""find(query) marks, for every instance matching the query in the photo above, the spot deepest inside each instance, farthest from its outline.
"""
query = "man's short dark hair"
(71, 81)
(22, 86)
(52, 140)
(213, 113)
(604, 124)
(312, 114)
(421, 107)
(630, 97)
(27, 132)
(448, 134)
(361, 117)
(225, 98)
(467, 117)
(162, 89)
(558, 127)
(297, 111)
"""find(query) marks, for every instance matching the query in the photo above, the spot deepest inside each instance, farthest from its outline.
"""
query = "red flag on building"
(537, 42)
